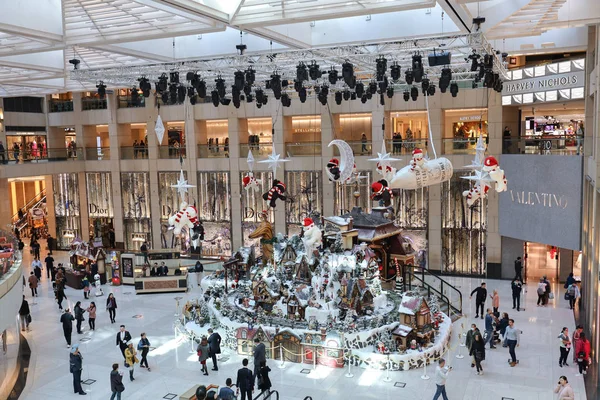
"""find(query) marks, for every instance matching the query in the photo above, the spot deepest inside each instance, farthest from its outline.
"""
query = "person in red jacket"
(583, 353)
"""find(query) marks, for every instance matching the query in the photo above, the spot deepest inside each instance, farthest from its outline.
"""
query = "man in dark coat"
(516, 293)
(480, 298)
(123, 338)
(259, 355)
(214, 345)
(519, 269)
(67, 324)
(75, 366)
(245, 380)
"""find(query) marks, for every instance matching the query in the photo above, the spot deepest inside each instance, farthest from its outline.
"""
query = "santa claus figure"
(417, 161)
(382, 193)
(333, 166)
(276, 192)
(312, 237)
(490, 165)
(251, 183)
(187, 216)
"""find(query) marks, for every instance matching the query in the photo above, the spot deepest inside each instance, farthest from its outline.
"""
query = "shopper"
(541, 291)
(512, 340)
(50, 243)
(214, 342)
(519, 269)
(67, 324)
(111, 306)
(60, 295)
(144, 250)
(245, 381)
(24, 315)
(583, 354)
(49, 260)
(130, 360)
(144, 347)
(363, 141)
(502, 327)
(259, 353)
(226, 393)
(481, 295)
(79, 316)
(574, 294)
(441, 375)
(478, 352)
(199, 269)
(203, 351)
(33, 284)
(86, 287)
(116, 382)
(264, 382)
(570, 280)
(489, 328)
(516, 287)
(92, 316)
(495, 301)
(469, 341)
(576, 338)
(548, 290)
(564, 390)
(123, 338)
(76, 365)
(35, 247)
(565, 347)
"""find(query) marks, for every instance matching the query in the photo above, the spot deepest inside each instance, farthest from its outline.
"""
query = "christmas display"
(341, 170)
(487, 174)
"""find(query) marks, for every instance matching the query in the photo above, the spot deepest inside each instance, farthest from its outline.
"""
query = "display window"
(253, 204)
(100, 206)
(66, 209)
(170, 203)
(214, 210)
(554, 134)
(135, 195)
(305, 189)
(462, 128)
(357, 194)
(26, 147)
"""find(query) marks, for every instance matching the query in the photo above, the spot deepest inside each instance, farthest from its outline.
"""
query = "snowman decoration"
(490, 165)
(417, 161)
(490, 174)
(312, 237)
(250, 183)
(97, 284)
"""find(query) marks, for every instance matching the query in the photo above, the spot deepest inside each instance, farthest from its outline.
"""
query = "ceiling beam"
(30, 79)
(237, 10)
(285, 40)
(133, 53)
(41, 36)
(12, 64)
(194, 7)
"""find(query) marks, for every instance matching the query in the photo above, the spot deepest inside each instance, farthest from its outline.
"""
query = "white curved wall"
(11, 296)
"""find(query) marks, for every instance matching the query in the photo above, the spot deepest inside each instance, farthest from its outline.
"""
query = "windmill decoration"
(187, 216)
(277, 191)
(487, 174)
(250, 183)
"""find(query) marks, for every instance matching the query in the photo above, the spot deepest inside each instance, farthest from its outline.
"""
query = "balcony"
(55, 105)
(213, 151)
(405, 147)
(170, 152)
(570, 145)
(358, 148)
(258, 149)
(41, 155)
(306, 149)
(93, 104)
(128, 102)
(460, 146)
(97, 153)
(134, 153)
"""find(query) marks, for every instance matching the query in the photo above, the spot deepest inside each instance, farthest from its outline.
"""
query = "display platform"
(160, 284)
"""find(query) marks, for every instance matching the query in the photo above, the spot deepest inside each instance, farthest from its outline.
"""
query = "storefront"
(302, 135)
(26, 143)
(214, 210)
(170, 203)
(100, 207)
(305, 188)
(462, 128)
(252, 206)
(65, 188)
(137, 223)
(408, 130)
(260, 138)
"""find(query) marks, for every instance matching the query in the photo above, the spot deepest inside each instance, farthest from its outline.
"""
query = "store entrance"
(540, 260)
(26, 147)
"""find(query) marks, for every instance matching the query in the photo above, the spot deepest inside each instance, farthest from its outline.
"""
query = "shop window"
(100, 205)
(135, 193)
(305, 189)
(464, 229)
(353, 195)
(169, 203)
(412, 215)
(214, 210)
(252, 205)
(66, 208)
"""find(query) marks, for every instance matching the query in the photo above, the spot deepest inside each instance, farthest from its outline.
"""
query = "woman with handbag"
(202, 352)
(565, 347)
(583, 354)
(478, 352)
(130, 360)
(264, 382)
(92, 315)
(111, 306)
(79, 316)
(116, 382)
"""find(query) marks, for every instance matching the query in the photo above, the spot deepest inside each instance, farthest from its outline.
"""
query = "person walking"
(519, 269)
(225, 392)
(123, 338)
(203, 351)
(469, 341)
(441, 375)
(214, 343)
(489, 328)
(86, 287)
(199, 269)
(144, 347)
(49, 260)
(363, 141)
(67, 324)
(60, 296)
(541, 291)
(548, 290)
(573, 293)
(576, 338)
(570, 280)
(92, 316)
(564, 390)
(259, 353)
(495, 301)
(502, 327)
(116, 382)
(478, 352)
(79, 316)
(111, 306)
(513, 336)
(24, 315)
(481, 295)
(264, 382)
(583, 354)
(516, 287)
(33, 284)
(130, 360)
(565, 347)
(50, 243)
(245, 381)
(75, 366)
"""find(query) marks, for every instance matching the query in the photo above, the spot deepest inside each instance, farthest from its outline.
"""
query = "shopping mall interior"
(318, 187)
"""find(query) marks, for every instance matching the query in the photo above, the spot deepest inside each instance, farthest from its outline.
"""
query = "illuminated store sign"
(549, 200)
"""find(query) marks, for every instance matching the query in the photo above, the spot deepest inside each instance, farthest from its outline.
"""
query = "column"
(279, 144)
(495, 131)
(50, 206)
(152, 170)
(434, 224)
(233, 127)
(114, 134)
(327, 135)
(5, 209)
(83, 207)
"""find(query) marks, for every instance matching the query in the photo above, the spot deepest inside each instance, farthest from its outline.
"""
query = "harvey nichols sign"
(544, 83)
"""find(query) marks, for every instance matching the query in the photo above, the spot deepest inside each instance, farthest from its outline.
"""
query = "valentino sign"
(537, 199)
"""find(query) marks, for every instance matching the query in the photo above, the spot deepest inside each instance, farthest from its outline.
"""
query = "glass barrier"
(569, 145)
(257, 148)
(40, 155)
(132, 153)
(97, 153)
(167, 152)
(213, 151)
(460, 146)
(405, 147)
(93, 104)
(358, 148)
(128, 102)
(55, 105)
(10, 255)
(303, 149)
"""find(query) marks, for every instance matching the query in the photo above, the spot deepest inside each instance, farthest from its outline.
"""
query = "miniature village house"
(361, 298)
(414, 313)
(291, 346)
(326, 348)
(245, 341)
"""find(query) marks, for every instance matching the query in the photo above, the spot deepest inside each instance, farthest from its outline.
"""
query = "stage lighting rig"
(360, 89)
(101, 89)
(239, 80)
(383, 84)
(275, 84)
(333, 76)
(145, 86)
(381, 67)
(259, 94)
(414, 93)
(165, 97)
(302, 94)
(395, 71)
(338, 98)
(425, 85)
(346, 95)
(285, 100)
(301, 73)
(250, 76)
(135, 96)
(453, 89)
(364, 99)
(235, 96)
(474, 57)
(445, 79)
(353, 96)
(174, 77)
(249, 98)
(369, 95)
(191, 93)
(220, 84)
(162, 84)
(225, 101)
(417, 67)
(488, 80)
(382, 99)
(201, 89)
(348, 73)
(408, 77)
(75, 63)
(390, 92)
(488, 61)
(214, 96)
(372, 87)
(181, 92)
(323, 94)
(406, 95)
(431, 90)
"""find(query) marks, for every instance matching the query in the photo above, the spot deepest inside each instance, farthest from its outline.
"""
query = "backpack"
(541, 289)
(140, 346)
(571, 291)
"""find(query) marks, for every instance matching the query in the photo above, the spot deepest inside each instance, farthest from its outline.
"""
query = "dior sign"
(543, 83)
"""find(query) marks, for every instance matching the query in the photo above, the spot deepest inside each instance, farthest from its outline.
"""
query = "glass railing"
(132, 153)
(570, 145)
(55, 105)
(10, 263)
(93, 104)
(128, 102)
(41, 155)
(405, 147)
(97, 153)
(257, 148)
(460, 146)
(359, 148)
(212, 151)
(166, 152)
(303, 149)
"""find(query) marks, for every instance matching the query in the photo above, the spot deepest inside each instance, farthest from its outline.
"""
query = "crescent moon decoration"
(346, 160)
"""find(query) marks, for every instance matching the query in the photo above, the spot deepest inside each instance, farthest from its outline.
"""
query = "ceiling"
(39, 37)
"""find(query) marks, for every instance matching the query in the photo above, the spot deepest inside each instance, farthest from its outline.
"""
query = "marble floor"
(175, 369)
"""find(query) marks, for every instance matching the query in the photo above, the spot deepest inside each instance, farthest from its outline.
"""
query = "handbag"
(28, 318)
(126, 364)
(551, 296)
(567, 297)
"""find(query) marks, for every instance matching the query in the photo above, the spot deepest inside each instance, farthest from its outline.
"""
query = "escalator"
(33, 214)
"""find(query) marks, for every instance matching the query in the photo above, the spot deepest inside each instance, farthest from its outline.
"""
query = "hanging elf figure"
(250, 183)
(276, 192)
(382, 193)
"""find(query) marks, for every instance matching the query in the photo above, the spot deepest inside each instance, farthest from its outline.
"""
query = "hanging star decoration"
(477, 163)
(250, 161)
(274, 160)
(159, 129)
(182, 185)
(384, 157)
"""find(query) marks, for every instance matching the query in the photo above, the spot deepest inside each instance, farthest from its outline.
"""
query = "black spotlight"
(236, 96)
(302, 94)
(191, 94)
(250, 76)
(301, 73)
(382, 99)
(414, 93)
(346, 95)
(353, 96)
(324, 90)
(247, 89)
(285, 100)
(181, 92)
(363, 98)
(239, 80)
(249, 98)
(369, 95)
(162, 83)
(145, 86)
(193, 100)
(474, 61)
(408, 76)
(417, 67)
(314, 71)
(101, 89)
(425, 85)
(189, 76)
(488, 61)
(265, 99)
(214, 96)
(383, 84)
(453, 89)
(225, 101)
(338, 98)
(297, 86)
(276, 85)
(445, 79)
(201, 89)
(360, 89)
(333, 76)
(165, 97)
(488, 79)
(348, 73)
(258, 104)
(373, 87)
(406, 95)
(259, 95)
(431, 90)
(390, 92)
(173, 93)
(220, 86)
(323, 95)
(395, 72)
(174, 77)
(381, 67)
(135, 96)
(481, 71)
(474, 85)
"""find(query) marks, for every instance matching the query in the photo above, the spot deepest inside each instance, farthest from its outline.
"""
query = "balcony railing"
(213, 151)
(460, 146)
(97, 153)
(405, 147)
(133, 153)
(170, 152)
(359, 148)
(570, 145)
(93, 104)
(257, 148)
(41, 155)
(55, 105)
(128, 102)
(303, 149)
